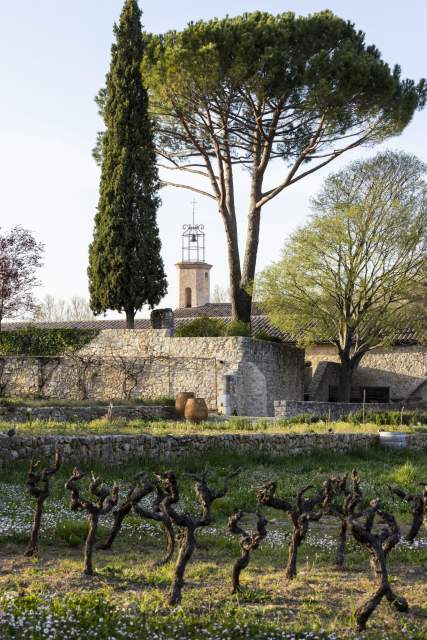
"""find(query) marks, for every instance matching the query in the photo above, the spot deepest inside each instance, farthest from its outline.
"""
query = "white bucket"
(393, 439)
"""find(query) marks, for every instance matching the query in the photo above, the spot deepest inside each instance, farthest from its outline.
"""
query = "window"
(188, 297)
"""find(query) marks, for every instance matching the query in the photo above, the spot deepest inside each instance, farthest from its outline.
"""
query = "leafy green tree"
(355, 274)
(242, 92)
(125, 267)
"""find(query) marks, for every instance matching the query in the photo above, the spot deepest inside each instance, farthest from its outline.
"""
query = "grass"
(48, 598)
(163, 427)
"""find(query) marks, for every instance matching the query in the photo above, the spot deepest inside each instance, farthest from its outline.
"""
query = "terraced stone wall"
(120, 448)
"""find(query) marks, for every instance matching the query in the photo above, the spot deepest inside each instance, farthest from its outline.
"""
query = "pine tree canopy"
(257, 91)
(125, 267)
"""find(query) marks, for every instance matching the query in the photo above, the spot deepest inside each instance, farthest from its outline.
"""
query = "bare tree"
(419, 510)
(378, 546)
(301, 513)
(129, 369)
(83, 363)
(106, 500)
(158, 515)
(352, 498)
(79, 309)
(52, 309)
(131, 501)
(187, 522)
(20, 257)
(248, 542)
(120, 511)
(38, 486)
(46, 367)
(220, 294)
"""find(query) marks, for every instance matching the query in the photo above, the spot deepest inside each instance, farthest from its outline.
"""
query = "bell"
(193, 238)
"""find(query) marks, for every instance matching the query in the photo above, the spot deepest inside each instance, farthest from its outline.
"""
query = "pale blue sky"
(53, 58)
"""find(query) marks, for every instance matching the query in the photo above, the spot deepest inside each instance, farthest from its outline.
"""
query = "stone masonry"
(124, 364)
(116, 449)
(289, 409)
(15, 414)
(402, 368)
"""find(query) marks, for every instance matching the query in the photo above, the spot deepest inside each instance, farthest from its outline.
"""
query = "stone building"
(393, 374)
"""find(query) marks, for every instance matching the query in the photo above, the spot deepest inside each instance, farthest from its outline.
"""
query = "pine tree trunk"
(241, 305)
(241, 282)
(239, 302)
(130, 319)
(251, 250)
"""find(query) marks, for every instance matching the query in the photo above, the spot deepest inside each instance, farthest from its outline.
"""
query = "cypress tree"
(125, 267)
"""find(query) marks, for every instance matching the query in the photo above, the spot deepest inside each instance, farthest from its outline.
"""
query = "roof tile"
(260, 322)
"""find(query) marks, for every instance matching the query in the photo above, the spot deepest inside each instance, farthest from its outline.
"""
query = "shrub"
(405, 474)
(305, 418)
(302, 418)
(202, 327)
(390, 418)
(262, 335)
(34, 341)
(238, 328)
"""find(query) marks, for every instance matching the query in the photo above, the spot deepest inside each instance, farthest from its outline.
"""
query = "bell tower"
(193, 270)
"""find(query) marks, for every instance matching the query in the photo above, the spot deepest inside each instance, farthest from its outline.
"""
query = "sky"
(54, 55)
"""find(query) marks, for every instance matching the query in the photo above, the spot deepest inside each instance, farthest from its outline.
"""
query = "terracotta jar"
(196, 410)
(181, 400)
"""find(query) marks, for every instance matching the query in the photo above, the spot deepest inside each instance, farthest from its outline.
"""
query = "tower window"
(188, 297)
(206, 275)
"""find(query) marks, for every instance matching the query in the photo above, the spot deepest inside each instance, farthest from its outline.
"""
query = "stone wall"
(332, 410)
(325, 376)
(149, 363)
(116, 449)
(11, 413)
(402, 368)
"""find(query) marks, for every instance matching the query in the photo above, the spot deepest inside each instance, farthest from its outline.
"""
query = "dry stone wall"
(289, 409)
(115, 449)
(150, 363)
(14, 414)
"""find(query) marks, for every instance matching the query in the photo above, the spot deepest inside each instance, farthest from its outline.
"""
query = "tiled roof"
(141, 323)
(213, 310)
(260, 322)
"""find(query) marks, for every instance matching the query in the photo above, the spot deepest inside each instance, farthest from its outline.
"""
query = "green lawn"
(48, 598)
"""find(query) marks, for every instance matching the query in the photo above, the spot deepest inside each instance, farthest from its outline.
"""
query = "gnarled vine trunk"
(378, 546)
(38, 486)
